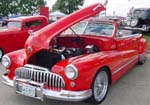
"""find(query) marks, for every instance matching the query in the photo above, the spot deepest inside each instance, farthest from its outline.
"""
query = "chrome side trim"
(128, 36)
(131, 61)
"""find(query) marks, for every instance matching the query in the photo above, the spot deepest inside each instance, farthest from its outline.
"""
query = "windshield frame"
(101, 22)
(68, 31)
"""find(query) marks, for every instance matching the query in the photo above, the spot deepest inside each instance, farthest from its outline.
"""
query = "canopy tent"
(57, 14)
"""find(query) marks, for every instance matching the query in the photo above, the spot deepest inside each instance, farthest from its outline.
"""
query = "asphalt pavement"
(132, 89)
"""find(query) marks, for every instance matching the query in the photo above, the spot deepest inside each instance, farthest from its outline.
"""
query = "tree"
(67, 6)
(25, 7)
(7, 7)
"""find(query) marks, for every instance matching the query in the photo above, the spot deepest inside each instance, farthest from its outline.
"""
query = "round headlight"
(71, 72)
(6, 61)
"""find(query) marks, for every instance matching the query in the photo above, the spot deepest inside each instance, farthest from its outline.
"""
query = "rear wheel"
(100, 86)
(142, 59)
(134, 22)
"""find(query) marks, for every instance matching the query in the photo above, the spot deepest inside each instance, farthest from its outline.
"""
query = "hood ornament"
(29, 49)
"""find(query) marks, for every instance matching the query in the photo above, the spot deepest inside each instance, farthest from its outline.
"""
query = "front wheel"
(100, 86)
(1, 54)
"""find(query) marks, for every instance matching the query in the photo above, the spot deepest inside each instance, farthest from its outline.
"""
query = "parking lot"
(131, 89)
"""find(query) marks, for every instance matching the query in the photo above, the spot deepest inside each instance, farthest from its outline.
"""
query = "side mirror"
(30, 32)
(120, 34)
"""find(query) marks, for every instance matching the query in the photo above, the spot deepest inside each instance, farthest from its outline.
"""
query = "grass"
(147, 36)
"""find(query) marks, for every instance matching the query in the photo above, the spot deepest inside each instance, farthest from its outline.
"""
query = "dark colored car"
(140, 18)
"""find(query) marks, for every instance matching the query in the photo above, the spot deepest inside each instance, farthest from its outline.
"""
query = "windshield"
(91, 28)
(77, 28)
(99, 29)
(14, 24)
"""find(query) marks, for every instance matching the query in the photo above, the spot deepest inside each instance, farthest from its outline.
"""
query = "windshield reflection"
(91, 28)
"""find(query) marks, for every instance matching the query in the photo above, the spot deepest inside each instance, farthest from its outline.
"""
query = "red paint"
(44, 11)
(14, 38)
(114, 52)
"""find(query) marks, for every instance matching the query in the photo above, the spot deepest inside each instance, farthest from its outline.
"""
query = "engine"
(48, 58)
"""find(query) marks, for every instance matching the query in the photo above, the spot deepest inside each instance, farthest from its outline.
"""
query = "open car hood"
(41, 39)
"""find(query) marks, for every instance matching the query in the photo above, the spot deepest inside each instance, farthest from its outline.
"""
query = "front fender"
(17, 60)
(88, 66)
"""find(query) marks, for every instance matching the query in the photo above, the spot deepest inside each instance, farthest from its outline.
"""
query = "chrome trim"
(7, 57)
(65, 95)
(36, 67)
(75, 70)
(40, 75)
(95, 8)
(100, 86)
(142, 58)
(68, 95)
(131, 61)
(52, 94)
(127, 36)
(1, 54)
(5, 80)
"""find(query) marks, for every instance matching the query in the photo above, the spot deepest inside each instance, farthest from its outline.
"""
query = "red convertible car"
(14, 36)
(75, 58)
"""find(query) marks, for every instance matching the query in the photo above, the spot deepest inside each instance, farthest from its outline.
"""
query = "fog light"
(72, 84)
(7, 71)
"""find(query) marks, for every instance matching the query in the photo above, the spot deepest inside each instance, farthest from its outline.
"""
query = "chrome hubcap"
(1, 53)
(100, 86)
(134, 22)
(142, 58)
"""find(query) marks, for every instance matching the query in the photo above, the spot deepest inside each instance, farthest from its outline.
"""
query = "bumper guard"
(42, 93)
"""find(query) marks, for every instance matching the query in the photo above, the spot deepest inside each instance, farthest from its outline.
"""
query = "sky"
(119, 7)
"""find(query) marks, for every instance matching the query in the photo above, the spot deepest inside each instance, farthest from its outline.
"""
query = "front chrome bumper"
(7, 81)
(42, 93)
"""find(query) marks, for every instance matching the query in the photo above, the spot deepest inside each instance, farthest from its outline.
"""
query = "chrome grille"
(40, 75)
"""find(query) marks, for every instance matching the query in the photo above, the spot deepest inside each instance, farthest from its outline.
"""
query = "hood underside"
(41, 39)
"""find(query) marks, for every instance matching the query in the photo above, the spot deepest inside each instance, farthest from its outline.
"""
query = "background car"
(14, 36)
(140, 18)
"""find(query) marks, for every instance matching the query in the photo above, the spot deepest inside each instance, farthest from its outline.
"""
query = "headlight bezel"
(73, 70)
(5, 57)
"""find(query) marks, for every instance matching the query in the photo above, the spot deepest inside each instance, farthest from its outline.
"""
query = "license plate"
(28, 90)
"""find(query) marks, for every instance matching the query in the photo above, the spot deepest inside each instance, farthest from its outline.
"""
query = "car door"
(127, 44)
